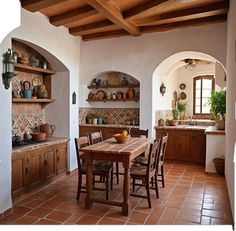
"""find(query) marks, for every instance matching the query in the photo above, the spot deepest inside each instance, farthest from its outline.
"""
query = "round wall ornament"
(182, 86)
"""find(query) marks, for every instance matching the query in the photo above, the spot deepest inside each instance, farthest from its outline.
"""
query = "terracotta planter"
(219, 165)
(220, 124)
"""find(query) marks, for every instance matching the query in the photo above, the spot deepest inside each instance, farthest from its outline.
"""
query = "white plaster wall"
(215, 147)
(230, 102)
(36, 29)
(5, 105)
(140, 56)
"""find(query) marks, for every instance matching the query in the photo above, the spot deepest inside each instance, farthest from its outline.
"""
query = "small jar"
(95, 121)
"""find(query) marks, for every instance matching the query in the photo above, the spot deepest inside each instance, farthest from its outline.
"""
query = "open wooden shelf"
(27, 68)
(112, 100)
(114, 86)
(24, 100)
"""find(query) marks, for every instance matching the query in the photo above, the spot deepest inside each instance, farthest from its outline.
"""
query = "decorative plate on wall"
(182, 86)
(183, 95)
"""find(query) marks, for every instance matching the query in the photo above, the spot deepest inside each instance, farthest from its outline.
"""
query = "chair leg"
(162, 177)
(117, 172)
(156, 186)
(111, 180)
(79, 186)
(148, 193)
(107, 187)
(133, 184)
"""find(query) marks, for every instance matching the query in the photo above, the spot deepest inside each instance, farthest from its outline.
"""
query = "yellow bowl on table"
(121, 138)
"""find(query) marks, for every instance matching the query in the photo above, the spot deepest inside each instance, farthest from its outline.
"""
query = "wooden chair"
(104, 171)
(95, 137)
(135, 132)
(161, 156)
(146, 173)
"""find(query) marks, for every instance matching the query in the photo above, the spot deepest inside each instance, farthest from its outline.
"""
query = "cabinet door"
(199, 147)
(34, 170)
(61, 152)
(18, 174)
(50, 162)
(185, 145)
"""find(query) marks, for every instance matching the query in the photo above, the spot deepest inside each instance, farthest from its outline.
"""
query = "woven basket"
(219, 165)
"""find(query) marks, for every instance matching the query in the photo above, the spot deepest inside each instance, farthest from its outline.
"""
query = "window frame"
(201, 115)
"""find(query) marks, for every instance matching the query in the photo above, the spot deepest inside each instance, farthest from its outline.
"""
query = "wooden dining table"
(110, 150)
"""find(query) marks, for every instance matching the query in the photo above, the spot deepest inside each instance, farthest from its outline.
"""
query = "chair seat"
(141, 160)
(139, 170)
(99, 168)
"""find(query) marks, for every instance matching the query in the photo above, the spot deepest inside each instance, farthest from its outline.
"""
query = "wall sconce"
(8, 68)
(162, 89)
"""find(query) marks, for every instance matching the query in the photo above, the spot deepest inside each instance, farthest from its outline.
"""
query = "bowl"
(38, 136)
(122, 139)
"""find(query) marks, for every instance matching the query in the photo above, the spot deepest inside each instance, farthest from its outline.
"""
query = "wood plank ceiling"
(99, 19)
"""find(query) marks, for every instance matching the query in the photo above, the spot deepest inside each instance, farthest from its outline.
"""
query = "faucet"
(192, 122)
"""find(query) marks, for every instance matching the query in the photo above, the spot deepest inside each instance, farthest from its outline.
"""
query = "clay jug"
(48, 129)
(130, 93)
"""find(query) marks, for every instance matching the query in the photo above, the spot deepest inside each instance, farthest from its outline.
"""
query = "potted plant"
(217, 101)
(175, 115)
(182, 107)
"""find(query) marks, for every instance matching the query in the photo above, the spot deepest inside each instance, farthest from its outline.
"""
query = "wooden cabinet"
(183, 144)
(61, 153)
(33, 168)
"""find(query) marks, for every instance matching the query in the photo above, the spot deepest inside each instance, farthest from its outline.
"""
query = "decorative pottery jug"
(130, 93)
(48, 129)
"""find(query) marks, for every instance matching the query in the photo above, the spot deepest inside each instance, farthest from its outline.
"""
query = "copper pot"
(48, 129)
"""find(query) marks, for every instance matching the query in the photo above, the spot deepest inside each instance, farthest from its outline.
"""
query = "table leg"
(89, 182)
(126, 192)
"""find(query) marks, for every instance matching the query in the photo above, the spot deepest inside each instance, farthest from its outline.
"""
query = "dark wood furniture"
(146, 173)
(161, 157)
(136, 132)
(184, 144)
(102, 170)
(110, 150)
(34, 167)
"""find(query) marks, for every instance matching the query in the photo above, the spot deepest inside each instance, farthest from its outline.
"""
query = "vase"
(130, 93)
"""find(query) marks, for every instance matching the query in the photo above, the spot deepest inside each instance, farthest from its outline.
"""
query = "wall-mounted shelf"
(30, 69)
(44, 102)
(112, 100)
(114, 86)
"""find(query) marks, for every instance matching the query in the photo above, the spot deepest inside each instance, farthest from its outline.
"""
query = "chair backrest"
(80, 143)
(152, 156)
(95, 137)
(135, 132)
(162, 151)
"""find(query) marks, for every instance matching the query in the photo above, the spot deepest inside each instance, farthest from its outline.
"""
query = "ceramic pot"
(130, 93)
(48, 129)
(27, 94)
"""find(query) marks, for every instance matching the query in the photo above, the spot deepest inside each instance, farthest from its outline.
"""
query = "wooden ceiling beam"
(105, 35)
(187, 23)
(36, 5)
(197, 12)
(159, 28)
(73, 15)
(142, 9)
(113, 13)
(80, 30)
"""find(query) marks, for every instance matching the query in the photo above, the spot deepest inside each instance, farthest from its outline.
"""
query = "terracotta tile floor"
(190, 197)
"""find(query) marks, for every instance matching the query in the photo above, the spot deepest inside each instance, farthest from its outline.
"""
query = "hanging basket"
(219, 165)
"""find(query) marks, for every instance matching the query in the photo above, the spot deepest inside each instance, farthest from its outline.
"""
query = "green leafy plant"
(217, 101)
(182, 106)
(175, 113)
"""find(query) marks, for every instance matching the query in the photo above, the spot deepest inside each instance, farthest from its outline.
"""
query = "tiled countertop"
(110, 125)
(49, 141)
(211, 130)
(183, 127)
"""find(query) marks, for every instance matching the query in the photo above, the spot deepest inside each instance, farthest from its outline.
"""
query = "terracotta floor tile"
(47, 222)
(34, 203)
(171, 212)
(88, 220)
(10, 218)
(181, 222)
(138, 217)
(116, 213)
(69, 206)
(40, 212)
(26, 220)
(166, 221)
(74, 218)
(98, 211)
(21, 210)
(205, 220)
(192, 206)
(213, 213)
(108, 221)
(58, 216)
(217, 221)
(52, 204)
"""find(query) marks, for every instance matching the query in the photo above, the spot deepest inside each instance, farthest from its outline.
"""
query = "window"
(203, 85)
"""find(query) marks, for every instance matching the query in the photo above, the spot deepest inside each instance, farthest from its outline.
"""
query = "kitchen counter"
(211, 130)
(48, 142)
(183, 127)
(110, 125)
